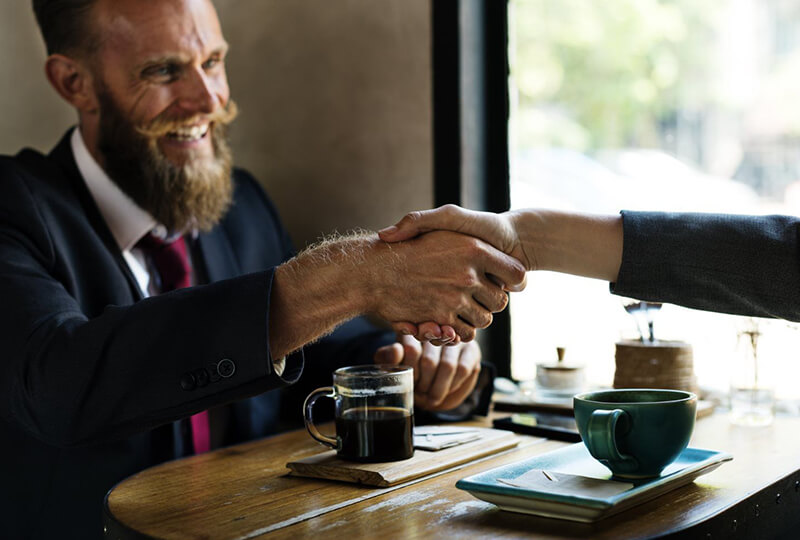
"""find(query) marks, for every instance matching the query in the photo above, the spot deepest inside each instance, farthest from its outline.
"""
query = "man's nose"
(199, 93)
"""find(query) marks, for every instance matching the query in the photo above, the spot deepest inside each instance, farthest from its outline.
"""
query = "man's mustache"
(163, 124)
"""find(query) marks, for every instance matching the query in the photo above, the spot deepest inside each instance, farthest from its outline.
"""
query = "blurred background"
(651, 105)
(334, 99)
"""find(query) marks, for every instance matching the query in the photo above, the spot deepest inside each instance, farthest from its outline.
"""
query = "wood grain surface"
(244, 492)
(423, 463)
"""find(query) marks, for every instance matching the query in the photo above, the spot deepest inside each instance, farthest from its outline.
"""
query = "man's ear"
(73, 81)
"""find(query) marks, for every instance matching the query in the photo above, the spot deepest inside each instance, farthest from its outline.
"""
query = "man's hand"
(458, 281)
(496, 229)
(455, 280)
(443, 376)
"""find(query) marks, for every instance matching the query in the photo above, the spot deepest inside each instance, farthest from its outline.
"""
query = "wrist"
(336, 272)
(524, 224)
(378, 263)
(315, 292)
(588, 245)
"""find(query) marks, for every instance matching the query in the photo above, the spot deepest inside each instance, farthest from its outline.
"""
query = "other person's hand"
(498, 230)
(443, 376)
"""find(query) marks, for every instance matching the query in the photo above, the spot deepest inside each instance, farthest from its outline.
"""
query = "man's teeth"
(188, 134)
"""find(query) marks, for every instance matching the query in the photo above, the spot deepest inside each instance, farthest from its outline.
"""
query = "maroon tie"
(171, 261)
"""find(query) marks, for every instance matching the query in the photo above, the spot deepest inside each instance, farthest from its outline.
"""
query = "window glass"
(651, 105)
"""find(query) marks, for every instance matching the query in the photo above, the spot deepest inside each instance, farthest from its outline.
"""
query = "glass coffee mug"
(374, 413)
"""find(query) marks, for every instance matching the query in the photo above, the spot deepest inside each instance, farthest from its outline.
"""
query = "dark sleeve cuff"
(293, 363)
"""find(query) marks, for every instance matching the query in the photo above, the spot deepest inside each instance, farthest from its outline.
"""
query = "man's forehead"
(159, 27)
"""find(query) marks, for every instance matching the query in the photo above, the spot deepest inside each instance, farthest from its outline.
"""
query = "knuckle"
(448, 364)
(484, 320)
(475, 247)
(466, 333)
(502, 301)
(468, 279)
(463, 371)
(497, 301)
(413, 348)
(427, 361)
(411, 217)
(454, 299)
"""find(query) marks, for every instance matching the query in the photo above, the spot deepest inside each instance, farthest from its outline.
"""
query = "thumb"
(390, 354)
(448, 217)
(519, 287)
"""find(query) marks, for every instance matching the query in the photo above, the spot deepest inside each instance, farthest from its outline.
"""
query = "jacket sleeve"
(743, 265)
(70, 379)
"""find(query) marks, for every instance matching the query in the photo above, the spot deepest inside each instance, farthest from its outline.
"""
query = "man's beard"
(192, 195)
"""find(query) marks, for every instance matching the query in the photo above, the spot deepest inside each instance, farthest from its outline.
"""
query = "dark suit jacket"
(92, 376)
(744, 265)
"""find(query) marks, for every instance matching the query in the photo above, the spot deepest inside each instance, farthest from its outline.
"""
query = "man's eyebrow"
(178, 59)
(222, 49)
(173, 59)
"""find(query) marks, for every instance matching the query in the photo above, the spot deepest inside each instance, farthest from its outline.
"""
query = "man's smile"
(189, 133)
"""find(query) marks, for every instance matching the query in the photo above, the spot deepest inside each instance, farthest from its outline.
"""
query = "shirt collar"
(127, 221)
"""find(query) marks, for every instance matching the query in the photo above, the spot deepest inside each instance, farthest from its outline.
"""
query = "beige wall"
(334, 98)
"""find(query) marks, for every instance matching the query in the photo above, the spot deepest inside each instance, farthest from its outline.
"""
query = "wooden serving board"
(328, 466)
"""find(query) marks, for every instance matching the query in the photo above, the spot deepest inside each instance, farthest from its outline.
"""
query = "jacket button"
(226, 368)
(188, 382)
(201, 375)
(211, 370)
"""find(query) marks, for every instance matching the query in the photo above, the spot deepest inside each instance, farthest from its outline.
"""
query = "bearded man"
(150, 294)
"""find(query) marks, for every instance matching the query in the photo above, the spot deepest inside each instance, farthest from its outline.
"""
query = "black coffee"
(376, 434)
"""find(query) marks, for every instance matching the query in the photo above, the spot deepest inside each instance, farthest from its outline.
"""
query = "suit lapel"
(62, 156)
(217, 255)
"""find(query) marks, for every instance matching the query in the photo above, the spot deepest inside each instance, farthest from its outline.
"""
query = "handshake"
(483, 259)
(489, 257)
(437, 275)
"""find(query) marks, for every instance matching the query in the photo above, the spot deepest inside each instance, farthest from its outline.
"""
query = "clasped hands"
(499, 231)
(445, 375)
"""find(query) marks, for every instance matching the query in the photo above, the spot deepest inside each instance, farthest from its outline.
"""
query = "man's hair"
(65, 25)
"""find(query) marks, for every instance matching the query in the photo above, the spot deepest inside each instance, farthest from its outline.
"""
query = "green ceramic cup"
(635, 432)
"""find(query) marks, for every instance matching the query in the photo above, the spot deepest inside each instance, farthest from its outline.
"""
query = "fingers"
(448, 217)
(449, 335)
(469, 361)
(445, 373)
(429, 331)
(519, 287)
(390, 354)
(505, 269)
(452, 372)
(491, 297)
(412, 351)
(464, 329)
(455, 398)
(405, 328)
(427, 366)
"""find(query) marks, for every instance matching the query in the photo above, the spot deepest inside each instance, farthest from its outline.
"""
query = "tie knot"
(170, 259)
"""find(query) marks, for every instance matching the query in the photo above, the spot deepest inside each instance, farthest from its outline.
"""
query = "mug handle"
(602, 434)
(328, 392)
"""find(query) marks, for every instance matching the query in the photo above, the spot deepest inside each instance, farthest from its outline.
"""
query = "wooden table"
(244, 492)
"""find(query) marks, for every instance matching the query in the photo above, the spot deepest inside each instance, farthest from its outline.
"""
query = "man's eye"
(162, 72)
(211, 62)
